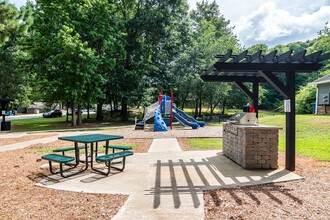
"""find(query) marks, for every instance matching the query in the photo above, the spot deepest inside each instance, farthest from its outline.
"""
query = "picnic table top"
(90, 138)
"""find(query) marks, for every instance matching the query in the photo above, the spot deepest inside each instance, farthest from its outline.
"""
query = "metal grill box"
(244, 118)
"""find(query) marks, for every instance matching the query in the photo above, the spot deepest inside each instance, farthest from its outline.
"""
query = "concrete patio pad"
(168, 184)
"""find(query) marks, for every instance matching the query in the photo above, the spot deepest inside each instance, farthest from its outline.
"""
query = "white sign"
(287, 105)
(3, 112)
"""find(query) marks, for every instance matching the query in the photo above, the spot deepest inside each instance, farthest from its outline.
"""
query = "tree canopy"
(121, 52)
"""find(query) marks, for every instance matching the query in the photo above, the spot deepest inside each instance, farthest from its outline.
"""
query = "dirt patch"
(304, 199)
(27, 137)
(321, 120)
(142, 144)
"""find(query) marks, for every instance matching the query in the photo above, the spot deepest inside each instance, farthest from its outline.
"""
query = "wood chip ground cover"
(21, 199)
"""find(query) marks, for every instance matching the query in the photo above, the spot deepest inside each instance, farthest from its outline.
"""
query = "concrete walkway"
(167, 183)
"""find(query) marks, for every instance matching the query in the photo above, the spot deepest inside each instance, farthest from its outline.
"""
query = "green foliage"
(73, 47)
(306, 95)
(312, 134)
(322, 43)
(14, 82)
(121, 52)
(209, 35)
(255, 48)
(274, 100)
(13, 22)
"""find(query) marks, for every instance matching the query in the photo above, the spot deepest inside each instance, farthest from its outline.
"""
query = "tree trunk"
(88, 111)
(111, 104)
(223, 106)
(196, 108)
(200, 105)
(184, 100)
(79, 115)
(99, 113)
(138, 105)
(74, 119)
(115, 102)
(124, 112)
(67, 111)
(211, 109)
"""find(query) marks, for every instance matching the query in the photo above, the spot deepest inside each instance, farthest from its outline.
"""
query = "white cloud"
(274, 21)
(18, 3)
(273, 24)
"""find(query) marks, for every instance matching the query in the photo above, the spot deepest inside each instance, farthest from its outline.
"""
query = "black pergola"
(257, 68)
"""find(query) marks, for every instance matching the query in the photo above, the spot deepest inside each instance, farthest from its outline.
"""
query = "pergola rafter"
(257, 68)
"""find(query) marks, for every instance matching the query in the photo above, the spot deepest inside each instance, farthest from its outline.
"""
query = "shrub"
(304, 98)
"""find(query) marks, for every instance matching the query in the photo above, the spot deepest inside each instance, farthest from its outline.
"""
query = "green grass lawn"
(39, 124)
(205, 143)
(44, 124)
(312, 134)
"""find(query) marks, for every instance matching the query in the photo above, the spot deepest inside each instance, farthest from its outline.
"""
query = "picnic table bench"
(107, 158)
(59, 159)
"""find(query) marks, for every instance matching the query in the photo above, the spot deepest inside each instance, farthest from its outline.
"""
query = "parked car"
(70, 112)
(52, 114)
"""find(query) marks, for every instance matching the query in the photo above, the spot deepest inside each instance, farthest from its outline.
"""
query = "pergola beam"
(225, 78)
(273, 67)
(254, 95)
(276, 83)
(244, 89)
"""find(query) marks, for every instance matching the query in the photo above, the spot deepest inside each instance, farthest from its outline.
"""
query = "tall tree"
(14, 79)
(209, 35)
(66, 65)
(146, 28)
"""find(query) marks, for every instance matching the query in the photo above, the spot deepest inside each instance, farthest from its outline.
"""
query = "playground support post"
(171, 115)
(160, 97)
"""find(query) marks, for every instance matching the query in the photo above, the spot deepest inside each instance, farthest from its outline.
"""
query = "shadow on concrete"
(208, 174)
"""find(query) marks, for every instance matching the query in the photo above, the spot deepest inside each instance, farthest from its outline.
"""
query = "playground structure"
(162, 114)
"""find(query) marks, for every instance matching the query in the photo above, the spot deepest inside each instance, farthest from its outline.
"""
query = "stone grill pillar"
(252, 147)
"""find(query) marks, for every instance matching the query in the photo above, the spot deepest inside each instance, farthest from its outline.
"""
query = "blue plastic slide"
(159, 124)
(188, 117)
(184, 122)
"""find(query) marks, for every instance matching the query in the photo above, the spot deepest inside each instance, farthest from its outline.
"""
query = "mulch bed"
(303, 199)
(21, 199)
(27, 137)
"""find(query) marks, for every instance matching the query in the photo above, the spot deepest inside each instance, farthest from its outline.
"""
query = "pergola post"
(290, 132)
(255, 94)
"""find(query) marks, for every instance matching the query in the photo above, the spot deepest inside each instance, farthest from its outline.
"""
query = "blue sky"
(270, 22)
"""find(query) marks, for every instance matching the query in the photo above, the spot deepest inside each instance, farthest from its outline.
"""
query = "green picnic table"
(89, 141)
